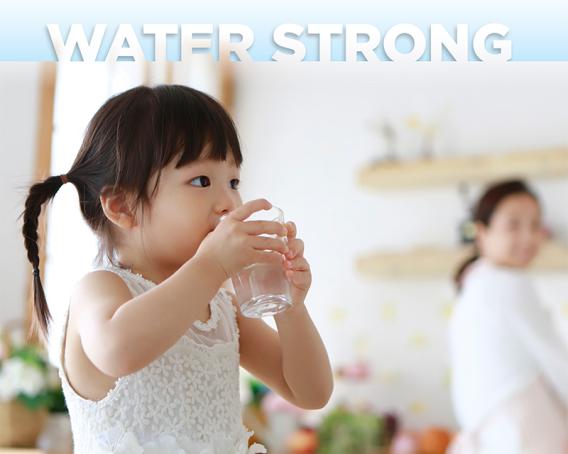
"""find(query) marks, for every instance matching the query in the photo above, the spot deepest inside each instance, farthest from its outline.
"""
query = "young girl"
(510, 366)
(153, 342)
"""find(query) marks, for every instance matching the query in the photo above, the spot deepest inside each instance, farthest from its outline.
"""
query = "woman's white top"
(186, 401)
(502, 340)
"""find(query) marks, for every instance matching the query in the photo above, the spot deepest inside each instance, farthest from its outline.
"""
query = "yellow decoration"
(387, 311)
(337, 315)
(417, 407)
(413, 122)
(361, 345)
(418, 340)
(447, 310)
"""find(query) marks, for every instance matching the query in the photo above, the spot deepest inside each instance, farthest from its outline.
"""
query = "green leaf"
(30, 355)
(342, 431)
(41, 400)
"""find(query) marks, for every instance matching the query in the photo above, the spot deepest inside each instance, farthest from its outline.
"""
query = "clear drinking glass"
(263, 289)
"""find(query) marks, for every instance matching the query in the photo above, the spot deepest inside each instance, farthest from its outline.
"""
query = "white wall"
(19, 90)
(306, 131)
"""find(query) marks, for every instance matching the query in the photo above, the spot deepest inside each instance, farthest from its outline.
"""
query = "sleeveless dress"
(186, 401)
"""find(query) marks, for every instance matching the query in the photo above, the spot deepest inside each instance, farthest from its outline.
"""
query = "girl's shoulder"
(109, 279)
(98, 282)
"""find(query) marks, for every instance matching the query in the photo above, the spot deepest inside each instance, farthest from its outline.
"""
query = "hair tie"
(64, 178)
(36, 272)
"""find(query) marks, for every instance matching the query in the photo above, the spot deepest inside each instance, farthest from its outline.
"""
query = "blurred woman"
(509, 364)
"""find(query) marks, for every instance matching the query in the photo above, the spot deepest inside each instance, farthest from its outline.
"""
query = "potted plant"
(344, 431)
(29, 390)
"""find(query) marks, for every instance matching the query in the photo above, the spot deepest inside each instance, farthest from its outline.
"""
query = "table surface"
(19, 451)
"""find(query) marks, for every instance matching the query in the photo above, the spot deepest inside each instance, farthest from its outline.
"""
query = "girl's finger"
(299, 278)
(296, 246)
(268, 257)
(263, 243)
(264, 227)
(297, 264)
(245, 210)
(292, 231)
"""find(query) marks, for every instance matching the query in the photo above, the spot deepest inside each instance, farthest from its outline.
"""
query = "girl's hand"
(236, 243)
(296, 267)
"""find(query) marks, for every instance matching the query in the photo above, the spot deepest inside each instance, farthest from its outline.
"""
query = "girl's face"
(186, 208)
(514, 233)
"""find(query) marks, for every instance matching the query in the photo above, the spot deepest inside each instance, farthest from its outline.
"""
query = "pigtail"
(38, 194)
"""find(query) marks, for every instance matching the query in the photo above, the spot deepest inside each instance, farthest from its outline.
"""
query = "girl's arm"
(121, 334)
(293, 361)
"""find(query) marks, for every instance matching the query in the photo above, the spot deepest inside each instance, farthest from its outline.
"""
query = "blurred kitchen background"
(377, 164)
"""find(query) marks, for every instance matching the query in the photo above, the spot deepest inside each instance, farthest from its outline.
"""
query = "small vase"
(20, 426)
(56, 437)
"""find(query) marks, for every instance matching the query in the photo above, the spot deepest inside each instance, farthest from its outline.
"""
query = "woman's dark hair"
(483, 212)
(131, 137)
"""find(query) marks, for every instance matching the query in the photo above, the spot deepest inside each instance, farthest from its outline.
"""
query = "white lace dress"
(185, 402)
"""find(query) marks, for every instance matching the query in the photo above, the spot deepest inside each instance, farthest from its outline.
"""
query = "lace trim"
(208, 325)
(234, 318)
(220, 297)
(129, 271)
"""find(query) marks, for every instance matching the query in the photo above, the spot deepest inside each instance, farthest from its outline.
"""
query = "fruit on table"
(435, 440)
(303, 441)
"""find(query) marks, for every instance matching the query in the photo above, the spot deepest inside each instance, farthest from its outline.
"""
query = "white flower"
(256, 448)
(17, 377)
(128, 444)
(8, 390)
(165, 444)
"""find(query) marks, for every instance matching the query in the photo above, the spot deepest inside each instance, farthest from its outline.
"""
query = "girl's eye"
(202, 180)
(235, 183)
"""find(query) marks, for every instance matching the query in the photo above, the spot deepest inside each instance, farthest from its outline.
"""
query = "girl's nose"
(227, 202)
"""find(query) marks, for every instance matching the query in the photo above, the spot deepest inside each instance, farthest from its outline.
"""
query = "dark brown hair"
(483, 212)
(131, 137)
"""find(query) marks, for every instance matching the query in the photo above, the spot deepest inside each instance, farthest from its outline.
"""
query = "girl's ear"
(118, 208)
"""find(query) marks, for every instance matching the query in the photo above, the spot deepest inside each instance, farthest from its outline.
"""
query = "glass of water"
(262, 289)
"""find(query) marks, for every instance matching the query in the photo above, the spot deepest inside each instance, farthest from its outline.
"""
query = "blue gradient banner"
(293, 30)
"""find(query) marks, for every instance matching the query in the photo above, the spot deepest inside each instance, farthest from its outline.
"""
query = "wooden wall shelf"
(431, 262)
(20, 451)
(545, 163)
